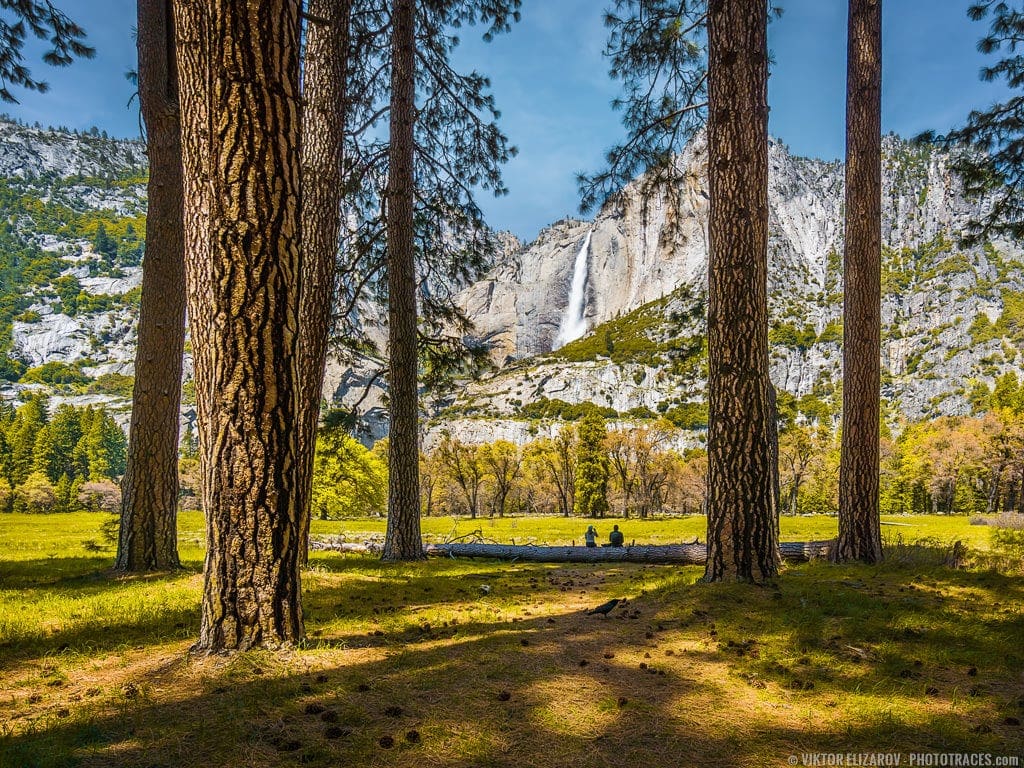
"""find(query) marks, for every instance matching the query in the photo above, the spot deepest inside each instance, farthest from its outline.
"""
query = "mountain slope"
(650, 244)
(953, 320)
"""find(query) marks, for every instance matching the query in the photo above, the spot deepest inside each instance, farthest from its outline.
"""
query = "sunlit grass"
(908, 656)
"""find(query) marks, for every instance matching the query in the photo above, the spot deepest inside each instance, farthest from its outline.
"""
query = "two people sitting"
(615, 538)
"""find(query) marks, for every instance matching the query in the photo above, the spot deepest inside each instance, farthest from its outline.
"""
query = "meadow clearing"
(417, 664)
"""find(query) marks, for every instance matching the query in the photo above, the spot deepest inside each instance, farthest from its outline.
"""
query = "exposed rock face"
(647, 242)
(28, 152)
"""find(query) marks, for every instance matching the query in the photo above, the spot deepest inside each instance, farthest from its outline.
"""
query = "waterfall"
(574, 324)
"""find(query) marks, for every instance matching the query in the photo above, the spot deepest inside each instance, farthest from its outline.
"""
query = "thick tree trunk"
(149, 509)
(860, 535)
(402, 541)
(239, 72)
(742, 466)
(323, 134)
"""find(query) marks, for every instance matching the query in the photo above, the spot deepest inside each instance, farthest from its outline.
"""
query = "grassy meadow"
(416, 664)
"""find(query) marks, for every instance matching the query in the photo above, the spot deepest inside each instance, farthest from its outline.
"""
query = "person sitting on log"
(615, 538)
(590, 536)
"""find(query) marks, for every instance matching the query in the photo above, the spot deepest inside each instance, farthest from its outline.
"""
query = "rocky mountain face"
(951, 316)
(649, 243)
(28, 152)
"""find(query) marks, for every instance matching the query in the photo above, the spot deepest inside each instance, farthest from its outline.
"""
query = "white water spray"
(574, 324)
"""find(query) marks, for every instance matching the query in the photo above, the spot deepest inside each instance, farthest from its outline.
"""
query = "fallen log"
(681, 554)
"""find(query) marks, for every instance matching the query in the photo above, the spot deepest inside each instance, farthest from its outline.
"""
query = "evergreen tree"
(65, 494)
(20, 17)
(105, 448)
(657, 48)
(22, 433)
(860, 535)
(592, 468)
(996, 169)
(6, 455)
(238, 68)
(56, 442)
(147, 538)
(324, 119)
(103, 243)
(437, 152)
(742, 426)
(403, 534)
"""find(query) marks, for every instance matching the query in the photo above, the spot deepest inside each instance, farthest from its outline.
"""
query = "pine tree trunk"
(149, 509)
(239, 73)
(742, 470)
(323, 134)
(402, 541)
(860, 535)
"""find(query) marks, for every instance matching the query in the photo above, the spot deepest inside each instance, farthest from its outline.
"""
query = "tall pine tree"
(442, 144)
(324, 118)
(742, 429)
(670, 84)
(148, 536)
(860, 535)
(238, 65)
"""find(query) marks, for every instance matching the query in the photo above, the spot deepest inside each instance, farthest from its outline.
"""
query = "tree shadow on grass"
(689, 674)
(481, 700)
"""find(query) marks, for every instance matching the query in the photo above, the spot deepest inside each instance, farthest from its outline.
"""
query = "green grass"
(908, 657)
(563, 530)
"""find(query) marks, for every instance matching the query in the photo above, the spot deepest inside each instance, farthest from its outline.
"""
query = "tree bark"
(742, 466)
(860, 535)
(148, 537)
(402, 541)
(324, 118)
(681, 554)
(238, 64)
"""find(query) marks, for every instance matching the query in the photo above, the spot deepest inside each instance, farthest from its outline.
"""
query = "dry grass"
(905, 657)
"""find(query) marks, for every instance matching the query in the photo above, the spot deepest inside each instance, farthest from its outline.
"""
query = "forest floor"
(419, 665)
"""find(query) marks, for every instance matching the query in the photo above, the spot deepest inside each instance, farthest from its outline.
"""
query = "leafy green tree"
(503, 462)
(463, 466)
(348, 479)
(592, 468)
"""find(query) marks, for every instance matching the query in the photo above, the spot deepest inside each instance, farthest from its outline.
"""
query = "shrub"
(112, 384)
(102, 496)
(54, 372)
(36, 495)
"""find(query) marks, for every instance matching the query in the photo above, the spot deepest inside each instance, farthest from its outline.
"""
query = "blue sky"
(551, 84)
